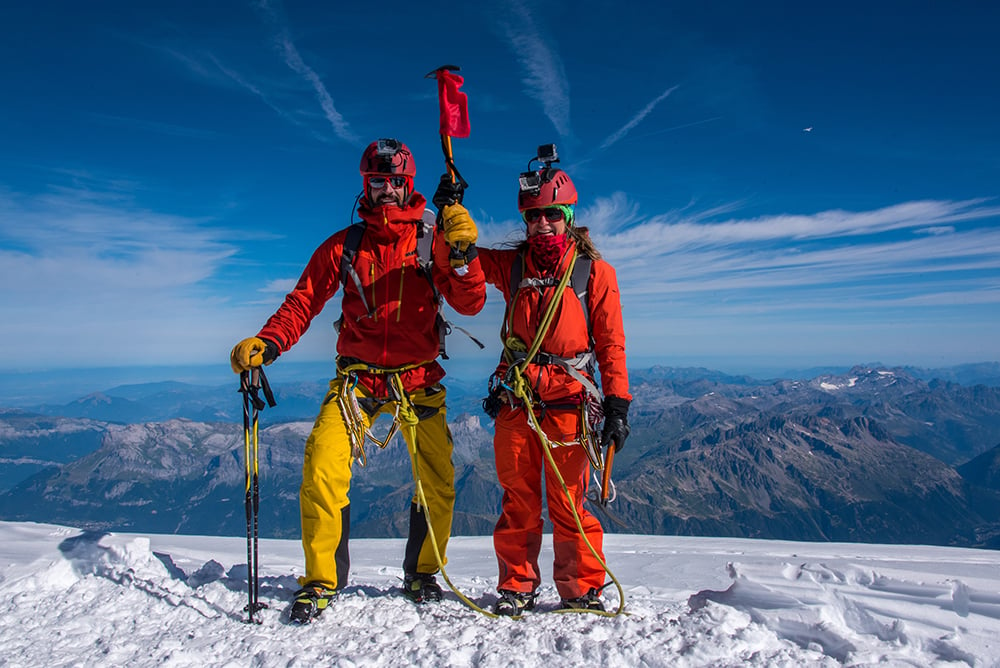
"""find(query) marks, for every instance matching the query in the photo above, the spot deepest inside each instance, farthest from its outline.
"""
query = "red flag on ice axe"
(454, 115)
(453, 102)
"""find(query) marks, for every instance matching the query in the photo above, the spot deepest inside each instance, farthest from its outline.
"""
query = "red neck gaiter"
(547, 250)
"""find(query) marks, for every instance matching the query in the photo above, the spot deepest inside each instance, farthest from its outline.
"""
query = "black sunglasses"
(552, 214)
(380, 181)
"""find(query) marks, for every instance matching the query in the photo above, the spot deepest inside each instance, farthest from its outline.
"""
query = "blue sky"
(776, 185)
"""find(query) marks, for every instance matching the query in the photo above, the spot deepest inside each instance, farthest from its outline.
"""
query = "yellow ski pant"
(326, 481)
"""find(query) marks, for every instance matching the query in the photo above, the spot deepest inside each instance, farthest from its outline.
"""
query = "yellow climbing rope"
(408, 419)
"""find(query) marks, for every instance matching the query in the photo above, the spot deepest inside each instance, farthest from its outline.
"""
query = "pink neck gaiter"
(548, 249)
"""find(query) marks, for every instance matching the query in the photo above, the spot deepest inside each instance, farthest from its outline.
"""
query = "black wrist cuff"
(271, 351)
(616, 407)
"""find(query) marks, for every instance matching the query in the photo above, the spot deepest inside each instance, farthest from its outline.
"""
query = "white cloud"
(86, 281)
(832, 260)
(545, 77)
(280, 286)
(285, 98)
(938, 230)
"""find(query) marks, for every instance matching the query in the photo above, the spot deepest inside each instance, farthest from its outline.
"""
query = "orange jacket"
(402, 329)
(567, 335)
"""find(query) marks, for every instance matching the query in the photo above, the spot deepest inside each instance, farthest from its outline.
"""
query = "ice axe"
(454, 122)
(606, 483)
(608, 493)
(454, 118)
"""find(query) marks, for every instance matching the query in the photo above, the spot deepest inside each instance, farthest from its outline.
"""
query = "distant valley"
(868, 454)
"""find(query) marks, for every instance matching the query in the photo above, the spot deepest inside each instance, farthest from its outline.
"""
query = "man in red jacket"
(389, 339)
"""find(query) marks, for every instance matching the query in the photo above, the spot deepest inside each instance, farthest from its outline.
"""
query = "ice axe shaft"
(609, 460)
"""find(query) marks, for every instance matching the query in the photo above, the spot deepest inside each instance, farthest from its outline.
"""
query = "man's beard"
(384, 198)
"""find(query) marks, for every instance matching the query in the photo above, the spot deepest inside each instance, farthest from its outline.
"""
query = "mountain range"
(870, 454)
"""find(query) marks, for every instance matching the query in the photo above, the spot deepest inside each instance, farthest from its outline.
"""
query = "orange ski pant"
(517, 537)
(326, 481)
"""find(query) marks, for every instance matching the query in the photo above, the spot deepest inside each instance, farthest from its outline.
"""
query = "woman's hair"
(583, 243)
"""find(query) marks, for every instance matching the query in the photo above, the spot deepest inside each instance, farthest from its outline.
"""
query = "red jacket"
(402, 329)
(567, 335)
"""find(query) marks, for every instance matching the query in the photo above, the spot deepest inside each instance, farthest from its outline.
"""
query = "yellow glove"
(459, 232)
(459, 228)
(252, 352)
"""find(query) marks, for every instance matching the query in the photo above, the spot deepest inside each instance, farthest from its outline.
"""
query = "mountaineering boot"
(513, 603)
(310, 602)
(421, 587)
(589, 601)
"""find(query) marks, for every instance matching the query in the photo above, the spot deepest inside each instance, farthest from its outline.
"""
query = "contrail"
(295, 62)
(545, 79)
(637, 118)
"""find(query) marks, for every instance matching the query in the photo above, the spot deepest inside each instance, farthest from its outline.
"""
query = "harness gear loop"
(355, 419)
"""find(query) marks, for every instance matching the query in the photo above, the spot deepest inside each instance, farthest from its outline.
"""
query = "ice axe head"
(433, 73)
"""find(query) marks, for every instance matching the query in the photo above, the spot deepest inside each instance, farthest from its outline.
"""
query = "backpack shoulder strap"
(351, 244)
(580, 282)
(516, 271)
(425, 243)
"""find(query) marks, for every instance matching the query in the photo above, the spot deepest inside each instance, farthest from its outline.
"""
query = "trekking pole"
(251, 383)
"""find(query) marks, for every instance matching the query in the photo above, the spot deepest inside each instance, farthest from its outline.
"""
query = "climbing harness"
(355, 417)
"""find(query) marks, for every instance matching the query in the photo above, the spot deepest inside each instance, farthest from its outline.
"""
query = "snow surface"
(72, 598)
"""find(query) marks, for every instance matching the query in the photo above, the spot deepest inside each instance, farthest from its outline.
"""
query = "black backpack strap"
(580, 282)
(516, 271)
(351, 244)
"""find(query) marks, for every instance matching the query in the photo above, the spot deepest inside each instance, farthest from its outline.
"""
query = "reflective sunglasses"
(378, 182)
(553, 214)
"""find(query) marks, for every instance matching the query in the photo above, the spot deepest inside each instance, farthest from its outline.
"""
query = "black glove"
(615, 422)
(448, 192)
(270, 351)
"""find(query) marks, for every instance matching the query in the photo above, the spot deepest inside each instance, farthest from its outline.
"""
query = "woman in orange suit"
(583, 328)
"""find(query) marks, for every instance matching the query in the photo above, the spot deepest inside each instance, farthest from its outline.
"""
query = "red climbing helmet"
(548, 185)
(388, 156)
(391, 158)
(553, 187)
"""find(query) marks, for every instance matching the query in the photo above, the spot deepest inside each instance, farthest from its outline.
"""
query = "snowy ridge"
(72, 598)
